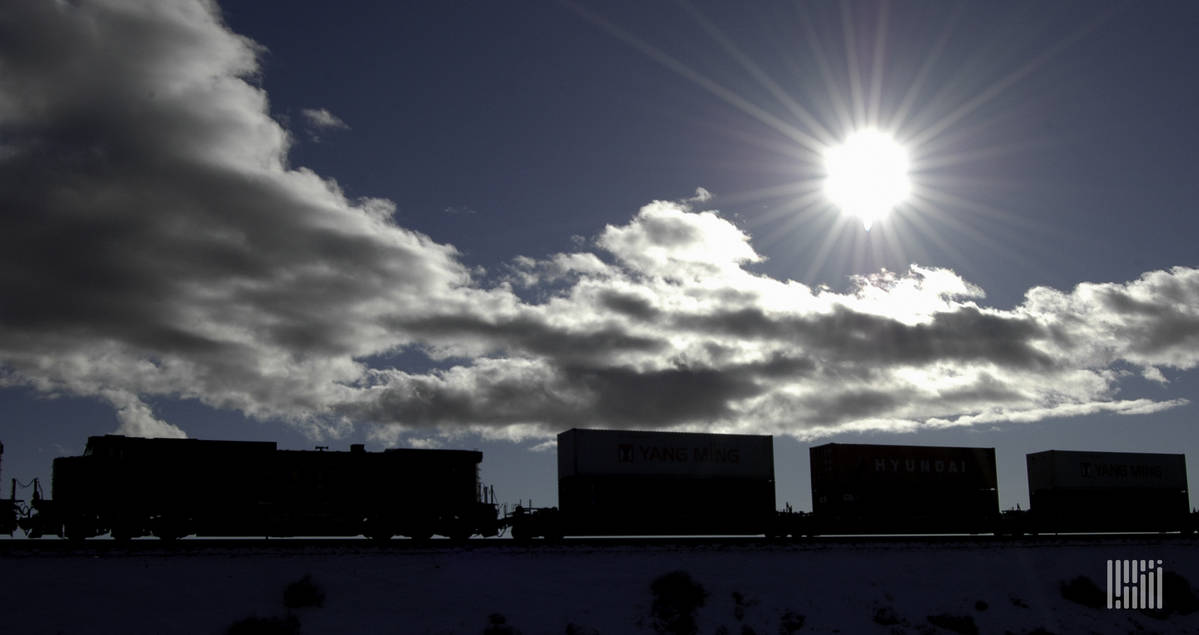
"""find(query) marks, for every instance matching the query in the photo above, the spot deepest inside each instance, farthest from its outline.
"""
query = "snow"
(837, 586)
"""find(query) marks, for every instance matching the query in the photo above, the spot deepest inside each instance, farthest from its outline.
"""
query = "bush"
(1082, 590)
(676, 598)
(1177, 595)
(885, 616)
(578, 629)
(790, 623)
(303, 593)
(497, 624)
(265, 626)
(963, 624)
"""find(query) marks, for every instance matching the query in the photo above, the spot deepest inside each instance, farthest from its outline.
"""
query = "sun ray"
(757, 73)
(857, 102)
(832, 238)
(900, 117)
(1007, 81)
(840, 107)
(685, 71)
(876, 70)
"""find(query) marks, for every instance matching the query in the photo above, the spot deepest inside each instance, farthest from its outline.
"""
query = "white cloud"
(322, 119)
(670, 242)
(156, 243)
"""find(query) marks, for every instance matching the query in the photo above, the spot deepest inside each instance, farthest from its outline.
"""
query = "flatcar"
(130, 487)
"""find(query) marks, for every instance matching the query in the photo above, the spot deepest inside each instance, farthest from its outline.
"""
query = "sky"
(475, 225)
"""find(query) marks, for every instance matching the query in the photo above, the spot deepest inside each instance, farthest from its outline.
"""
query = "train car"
(625, 482)
(170, 488)
(8, 506)
(880, 489)
(1107, 491)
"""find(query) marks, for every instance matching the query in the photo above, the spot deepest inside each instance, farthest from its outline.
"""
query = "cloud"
(322, 119)
(459, 210)
(156, 243)
(154, 240)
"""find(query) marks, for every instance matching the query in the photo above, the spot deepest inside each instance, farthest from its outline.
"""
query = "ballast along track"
(17, 548)
(611, 483)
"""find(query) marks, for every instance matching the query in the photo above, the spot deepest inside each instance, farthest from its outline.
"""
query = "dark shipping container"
(1107, 491)
(620, 482)
(902, 488)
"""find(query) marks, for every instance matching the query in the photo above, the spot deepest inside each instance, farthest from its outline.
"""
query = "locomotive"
(610, 483)
(129, 487)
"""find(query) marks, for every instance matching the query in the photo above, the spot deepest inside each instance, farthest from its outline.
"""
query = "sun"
(867, 175)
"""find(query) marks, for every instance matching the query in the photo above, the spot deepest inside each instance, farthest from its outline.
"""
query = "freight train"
(610, 483)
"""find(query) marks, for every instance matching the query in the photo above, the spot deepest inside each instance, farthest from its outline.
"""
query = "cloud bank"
(155, 241)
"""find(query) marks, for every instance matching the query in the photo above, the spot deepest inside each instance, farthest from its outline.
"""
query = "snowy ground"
(761, 589)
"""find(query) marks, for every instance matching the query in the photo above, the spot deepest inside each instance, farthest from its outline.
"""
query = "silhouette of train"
(610, 483)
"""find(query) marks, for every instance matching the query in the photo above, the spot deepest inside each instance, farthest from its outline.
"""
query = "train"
(610, 483)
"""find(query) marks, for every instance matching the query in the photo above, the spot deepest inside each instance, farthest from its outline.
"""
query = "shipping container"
(1054, 469)
(858, 488)
(622, 482)
(684, 454)
(1107, 491)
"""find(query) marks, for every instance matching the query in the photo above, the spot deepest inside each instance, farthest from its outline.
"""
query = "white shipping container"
(630, 452)
(1060, 469)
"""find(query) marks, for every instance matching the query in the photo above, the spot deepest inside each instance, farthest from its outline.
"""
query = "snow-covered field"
(847, 587)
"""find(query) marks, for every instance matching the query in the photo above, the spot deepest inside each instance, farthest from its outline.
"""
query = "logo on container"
(1134, 584)
(624, 453)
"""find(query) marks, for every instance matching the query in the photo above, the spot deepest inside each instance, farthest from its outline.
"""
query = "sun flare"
(867, 175)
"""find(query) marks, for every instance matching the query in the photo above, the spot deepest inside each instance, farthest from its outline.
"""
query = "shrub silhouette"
(303, 593)
(790, 623)
(885, 616)
(497, 624)
(578, 629)
(1177, 595)
(676, 598)
(265, 626)
(963, 624)
(1082, 590)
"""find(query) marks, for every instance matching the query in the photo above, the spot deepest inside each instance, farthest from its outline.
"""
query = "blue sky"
(478, 224)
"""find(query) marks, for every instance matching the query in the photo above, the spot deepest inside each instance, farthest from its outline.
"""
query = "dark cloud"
(965, 334)
(533, 335)
(629, 305)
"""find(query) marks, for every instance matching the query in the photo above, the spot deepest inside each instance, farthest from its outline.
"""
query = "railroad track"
(19, 547)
